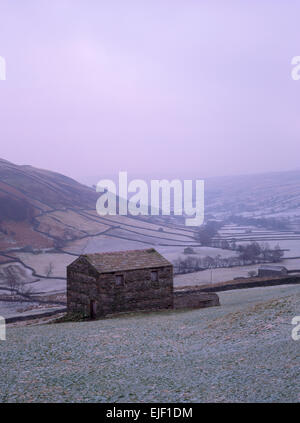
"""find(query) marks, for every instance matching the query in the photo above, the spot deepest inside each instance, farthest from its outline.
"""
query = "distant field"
(40, 262)
(103, 243)
(138, 223)
(172, 253)
(223, 274)
(239, 352)
(288, 240)
(214, 275)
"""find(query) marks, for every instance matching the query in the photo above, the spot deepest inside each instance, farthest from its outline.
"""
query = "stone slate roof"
(117, 261)
(270, 267)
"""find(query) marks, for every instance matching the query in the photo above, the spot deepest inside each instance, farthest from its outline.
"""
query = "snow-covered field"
(223, 275)
(40, 262)
(240, 352)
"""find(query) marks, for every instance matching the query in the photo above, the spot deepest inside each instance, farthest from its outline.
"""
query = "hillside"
(240, 352)
(48, 219)
(43, 209)
(267, 194)
(27, 196)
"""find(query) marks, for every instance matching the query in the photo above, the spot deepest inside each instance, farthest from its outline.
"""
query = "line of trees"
(207, 232)
(260, 253)
(252, 253)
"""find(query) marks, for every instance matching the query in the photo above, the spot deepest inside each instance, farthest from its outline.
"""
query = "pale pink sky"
(161, 87)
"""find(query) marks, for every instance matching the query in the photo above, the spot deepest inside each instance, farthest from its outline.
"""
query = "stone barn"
(269, 270)
(107, 283)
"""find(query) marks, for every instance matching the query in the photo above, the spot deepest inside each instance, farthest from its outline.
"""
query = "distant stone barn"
(272, 270)
(107, 283)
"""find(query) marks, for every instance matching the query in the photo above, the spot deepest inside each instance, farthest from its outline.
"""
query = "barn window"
(119, 280)
(154, 276)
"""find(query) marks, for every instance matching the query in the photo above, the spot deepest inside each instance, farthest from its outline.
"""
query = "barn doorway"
(92, 309)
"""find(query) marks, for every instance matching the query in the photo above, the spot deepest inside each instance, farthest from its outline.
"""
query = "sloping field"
(73, 220)
(55, 228)
(40, 263)
(136, 227)
(154, 239)
(139, 223)
(162, 236)
(241, 351)
(102, 243)
(21, 234)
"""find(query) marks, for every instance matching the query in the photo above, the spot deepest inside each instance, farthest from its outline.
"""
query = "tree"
(208, 262)
(250, 252)
(49, 269)
(23, 290)
(206, 232)
(12, 280)
(233, 244)
(16, 285)
(225, 244)
(277, 254)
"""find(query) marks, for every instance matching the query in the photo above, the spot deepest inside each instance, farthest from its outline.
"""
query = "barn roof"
(271, 267)
(117, 261)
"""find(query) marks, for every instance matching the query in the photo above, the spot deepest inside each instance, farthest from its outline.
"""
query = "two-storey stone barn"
(106, 283)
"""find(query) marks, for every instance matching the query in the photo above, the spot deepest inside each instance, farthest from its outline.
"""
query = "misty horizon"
(92, 181)
(159, 90)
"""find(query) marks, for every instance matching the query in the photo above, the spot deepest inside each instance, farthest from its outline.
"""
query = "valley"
(47, 220)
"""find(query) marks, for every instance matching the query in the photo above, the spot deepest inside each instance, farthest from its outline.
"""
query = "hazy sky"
(161, 87)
